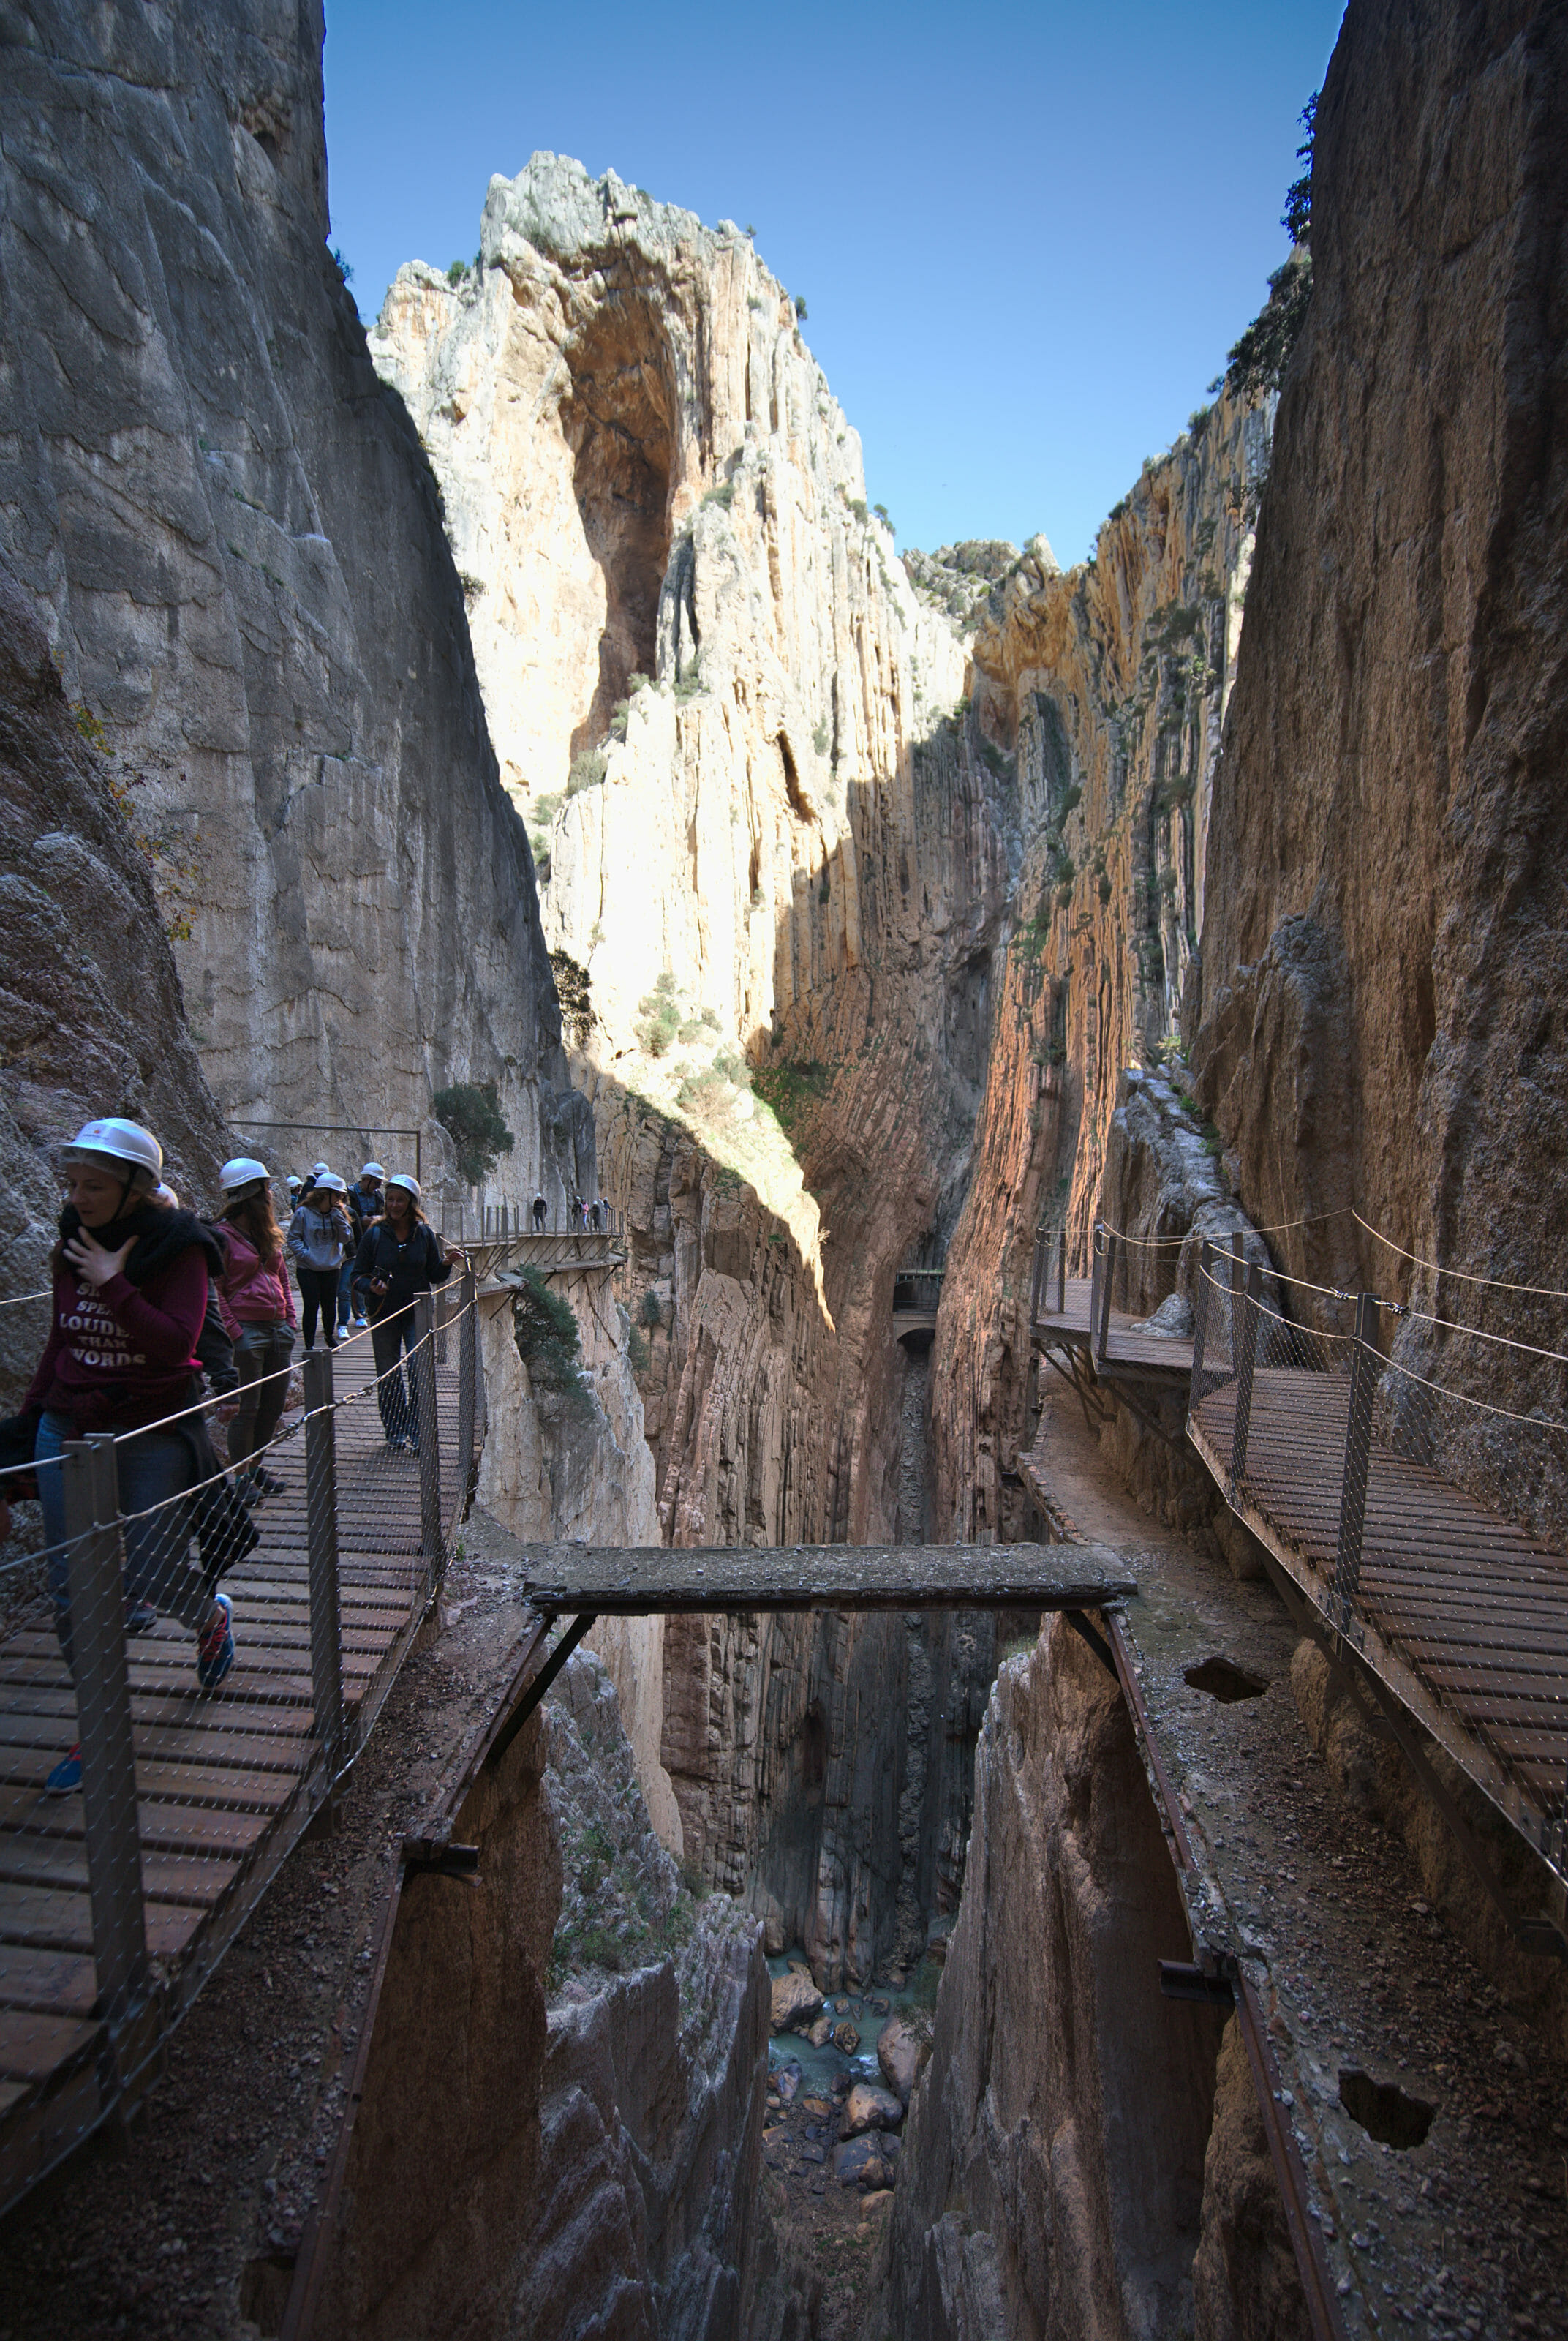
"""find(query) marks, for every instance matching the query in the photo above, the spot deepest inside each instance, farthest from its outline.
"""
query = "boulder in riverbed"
(869, 2107)
(901, 2053)
(796, 2000)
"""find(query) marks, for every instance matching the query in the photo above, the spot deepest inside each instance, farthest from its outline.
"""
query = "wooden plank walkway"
(1464, 1615)
(640, 1582)
(227, 1783)
(1132, 1354)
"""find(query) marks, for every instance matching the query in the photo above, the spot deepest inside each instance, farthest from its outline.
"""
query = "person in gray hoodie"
(318, 1242)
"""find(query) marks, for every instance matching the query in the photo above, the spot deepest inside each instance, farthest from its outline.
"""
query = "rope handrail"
(1463, 1275)
(15, 1299)
(1508, 1414)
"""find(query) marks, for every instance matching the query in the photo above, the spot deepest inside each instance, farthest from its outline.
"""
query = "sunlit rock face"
(782, 865)
(234, 540)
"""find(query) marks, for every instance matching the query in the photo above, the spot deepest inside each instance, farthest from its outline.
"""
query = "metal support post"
(432, 1542)
(467, 1384)
(95, 1565)
(322, 1550)
(1247, 1301)
(1062, 1270)
(1364, 1367)
(1108, 1272)
(1200, 1329)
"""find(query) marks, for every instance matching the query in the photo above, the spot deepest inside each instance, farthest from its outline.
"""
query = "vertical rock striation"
(235, 540)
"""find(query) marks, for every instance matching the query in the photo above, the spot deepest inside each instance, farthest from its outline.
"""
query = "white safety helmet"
(243, 1173)
(328, 1183)
(134, 1152)
(167, 1197)
(402, 1179)
(320, 1170)
(372, 1170)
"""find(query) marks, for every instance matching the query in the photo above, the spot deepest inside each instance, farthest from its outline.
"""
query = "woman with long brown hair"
(257, 1303)
(400, 1257)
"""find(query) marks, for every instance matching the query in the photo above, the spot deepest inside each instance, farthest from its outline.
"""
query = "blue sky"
(1026, 235)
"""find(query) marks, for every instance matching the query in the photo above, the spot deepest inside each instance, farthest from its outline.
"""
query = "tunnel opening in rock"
(619, 422)
(1226, 1681)
(1385, 2112)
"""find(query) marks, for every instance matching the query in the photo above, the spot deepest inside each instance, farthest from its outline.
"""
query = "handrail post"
(1106, 1276)
(1062, 1268)
(1037, 1275)
(432, 1542)
(1248, 1299)
(1199, 1329)
(96, 1571)
(1364, 1364)
(467, 1387)
(321, 1553)
(1094, 1278)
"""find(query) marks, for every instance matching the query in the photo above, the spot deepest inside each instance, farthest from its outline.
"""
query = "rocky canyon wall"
(777, 867)
(1068, 2164)
(234, 540)
(1105, 692)
(1378, 1016)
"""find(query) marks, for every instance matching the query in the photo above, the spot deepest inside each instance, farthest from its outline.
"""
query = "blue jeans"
(157, 1551)
(345, 1298)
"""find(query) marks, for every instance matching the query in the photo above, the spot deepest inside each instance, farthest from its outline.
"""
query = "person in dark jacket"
(215, 1348)
(366, 1204)
(131, 1280)
(319, 1239)
(400, 1257)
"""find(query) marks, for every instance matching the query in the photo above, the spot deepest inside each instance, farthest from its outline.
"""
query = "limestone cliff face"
(1106, 689)
(780, 868)
(1053, 2179)
(92, 1020)
(234, 542)
(1384, 969)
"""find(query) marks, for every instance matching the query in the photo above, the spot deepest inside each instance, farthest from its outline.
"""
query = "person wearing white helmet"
(130, 1294)
(400, 1257)
(364, 1205)
(319, 1240)
(257, 1302)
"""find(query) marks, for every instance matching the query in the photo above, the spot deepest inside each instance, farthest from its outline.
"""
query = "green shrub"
(651, 1309)
(639, 1354)
(723, 496)
(824, 889)
(470, 1113)
(573, 989)
(546, 808)
(457, 272)
(339, 264)
(711, 1018)
(858, 506)
(1071, 799)
(692, 1030)
(800, 306)
(660, 1021)
(820, 739)
(547, 1338)
(1104, 889)
(1258, 360)
(588, 770)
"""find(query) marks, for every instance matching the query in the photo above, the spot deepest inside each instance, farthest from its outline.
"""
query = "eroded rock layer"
(234, 542)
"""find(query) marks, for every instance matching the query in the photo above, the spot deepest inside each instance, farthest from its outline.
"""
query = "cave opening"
(619, 424)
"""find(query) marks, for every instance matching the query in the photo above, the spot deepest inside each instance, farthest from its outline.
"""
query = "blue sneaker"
(141, 1618)
(215, 1650)
(66, 1777)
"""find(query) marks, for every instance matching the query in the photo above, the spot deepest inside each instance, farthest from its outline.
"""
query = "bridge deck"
(1466, 1616)
(1132, 1354)
(226, 1784)
(580, 1578)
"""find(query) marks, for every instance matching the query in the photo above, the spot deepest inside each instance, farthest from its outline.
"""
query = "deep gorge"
(528, 682)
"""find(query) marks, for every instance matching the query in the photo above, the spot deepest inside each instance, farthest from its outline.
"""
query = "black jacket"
(408, 1268)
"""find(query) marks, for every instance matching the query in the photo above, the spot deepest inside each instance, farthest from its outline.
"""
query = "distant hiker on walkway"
(579, 1217)
(258, 1306)
(319, 1240)
(366, 1204)
(596, 1213)
(539, 1210)
(130, 1293)
(400, 1257)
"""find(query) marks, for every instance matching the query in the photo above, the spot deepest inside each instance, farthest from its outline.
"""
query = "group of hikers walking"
(147, 1300)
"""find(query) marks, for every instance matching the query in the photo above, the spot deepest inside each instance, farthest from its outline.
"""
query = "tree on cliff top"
(1258, 360)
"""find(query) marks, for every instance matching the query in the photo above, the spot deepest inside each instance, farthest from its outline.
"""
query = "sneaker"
(141, 1618)
(360, 1324)
(215, 1650)
(66, 1777)
(267, 1483)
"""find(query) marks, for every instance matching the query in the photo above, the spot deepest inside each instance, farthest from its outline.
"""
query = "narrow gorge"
(521, 700)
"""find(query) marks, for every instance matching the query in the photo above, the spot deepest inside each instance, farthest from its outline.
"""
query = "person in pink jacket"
(256, 1302)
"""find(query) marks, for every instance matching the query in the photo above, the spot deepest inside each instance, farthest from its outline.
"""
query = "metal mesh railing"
(207, 1648)
(1431, 1517)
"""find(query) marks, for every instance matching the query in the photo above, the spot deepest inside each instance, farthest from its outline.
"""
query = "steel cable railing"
(204, 1744)
(1428, 1521)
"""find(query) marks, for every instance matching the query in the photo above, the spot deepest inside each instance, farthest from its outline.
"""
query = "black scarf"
(158, 1237)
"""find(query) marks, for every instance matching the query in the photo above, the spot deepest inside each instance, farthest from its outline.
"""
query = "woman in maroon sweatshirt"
(130, 1294)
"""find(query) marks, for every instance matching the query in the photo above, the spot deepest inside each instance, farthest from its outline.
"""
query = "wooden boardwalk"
(1461, 1613)
(227, 1783)
(1131, 1353)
